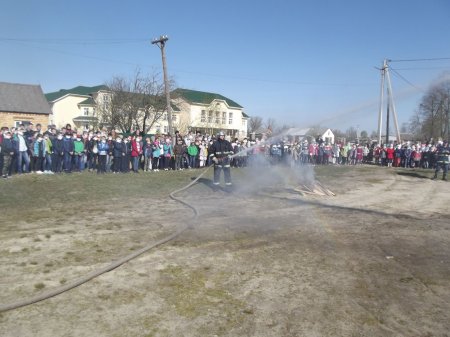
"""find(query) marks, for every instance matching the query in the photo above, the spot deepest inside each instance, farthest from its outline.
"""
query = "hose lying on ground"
(111, 266)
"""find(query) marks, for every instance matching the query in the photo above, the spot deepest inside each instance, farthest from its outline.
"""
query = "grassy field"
(369, 262)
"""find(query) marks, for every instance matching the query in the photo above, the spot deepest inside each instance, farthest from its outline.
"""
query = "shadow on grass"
(214, 188)
(414, 175)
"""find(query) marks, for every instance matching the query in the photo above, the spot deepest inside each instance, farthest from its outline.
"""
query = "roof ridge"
(205, 97)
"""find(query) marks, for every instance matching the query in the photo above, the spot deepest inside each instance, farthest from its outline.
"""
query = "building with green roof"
(210, 113)
(192, 110)
(77, 106)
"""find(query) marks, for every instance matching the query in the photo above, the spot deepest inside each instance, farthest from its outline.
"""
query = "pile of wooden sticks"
(314, 188)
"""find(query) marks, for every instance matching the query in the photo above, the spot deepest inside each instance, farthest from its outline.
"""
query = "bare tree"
(351, 133)
(270, 125)
(432, 119)
(136, 103)
(255, 124)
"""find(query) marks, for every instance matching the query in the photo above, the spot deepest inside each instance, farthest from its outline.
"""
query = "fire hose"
(113, 265)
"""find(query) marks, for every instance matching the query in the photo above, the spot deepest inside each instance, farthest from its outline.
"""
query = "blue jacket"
(102, 148)
(68, 144)
(168, 151)
(117, 151)
(156, 150)
(40, 149)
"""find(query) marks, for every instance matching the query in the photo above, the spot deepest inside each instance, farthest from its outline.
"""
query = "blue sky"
(299, 62)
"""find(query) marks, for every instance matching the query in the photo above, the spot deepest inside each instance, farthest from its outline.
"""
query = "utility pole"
(380, 114)
(161, 43)
(387, 121)
(385, 77)
(392, 104)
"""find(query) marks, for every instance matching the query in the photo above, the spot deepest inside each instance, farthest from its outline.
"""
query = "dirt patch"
(372, 261)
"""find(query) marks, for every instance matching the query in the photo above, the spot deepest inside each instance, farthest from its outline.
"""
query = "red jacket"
(390, 153)
(136, 148)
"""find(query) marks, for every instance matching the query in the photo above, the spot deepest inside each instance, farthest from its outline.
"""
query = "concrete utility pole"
(385, 77)
(380, 114)
(161, 43)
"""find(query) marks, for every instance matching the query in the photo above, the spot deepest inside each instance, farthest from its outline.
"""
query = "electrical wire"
(65, 41)
(419, 60)
(33, 43)
(395, 72)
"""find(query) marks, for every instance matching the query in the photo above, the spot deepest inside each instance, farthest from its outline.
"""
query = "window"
(165, 116)
(244, 124)
(224, 117)
(210, 116)
(86, 111)
(165, 129)
(174, 118)
(17, 123)
(106, 102)
(203, 117)
(93, 111)
(230, 118)
(217, 117)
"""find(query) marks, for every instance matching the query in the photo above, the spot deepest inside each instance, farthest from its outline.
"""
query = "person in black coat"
(7, 153)
(117, 154)
(58, 153)
(68, 149)
(126, 155)
(220, 153)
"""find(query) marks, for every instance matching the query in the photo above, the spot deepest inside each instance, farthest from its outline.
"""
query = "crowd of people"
(28, 148)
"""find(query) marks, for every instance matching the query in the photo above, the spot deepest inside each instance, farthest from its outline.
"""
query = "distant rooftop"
(80, 90)
(202, 97)
(23, 98)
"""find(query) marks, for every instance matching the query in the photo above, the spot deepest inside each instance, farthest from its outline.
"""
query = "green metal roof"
(202, 97)
(85, 119)
(80, 90)
(88, 101)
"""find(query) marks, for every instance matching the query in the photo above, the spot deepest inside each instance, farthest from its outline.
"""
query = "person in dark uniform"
(442, 154)
(6, 152)
(220, 153)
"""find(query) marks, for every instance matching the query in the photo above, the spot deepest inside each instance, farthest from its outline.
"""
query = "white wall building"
(192, 110)
(209, 113)
(76, 106)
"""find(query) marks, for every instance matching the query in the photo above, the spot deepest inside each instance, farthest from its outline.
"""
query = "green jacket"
(78, 146)
(192, 150)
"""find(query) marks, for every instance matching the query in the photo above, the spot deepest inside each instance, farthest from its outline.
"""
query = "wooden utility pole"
(161, 43)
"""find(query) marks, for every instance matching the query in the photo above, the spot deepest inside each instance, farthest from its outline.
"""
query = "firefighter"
(220, 153)
(442, 154)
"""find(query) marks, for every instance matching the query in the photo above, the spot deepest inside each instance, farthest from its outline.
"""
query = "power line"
(404, 79)
(230, 77)
(424, 68)
(418, 60)
(64, 41)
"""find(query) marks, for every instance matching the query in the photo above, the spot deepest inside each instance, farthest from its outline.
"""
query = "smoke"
(267, 173)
